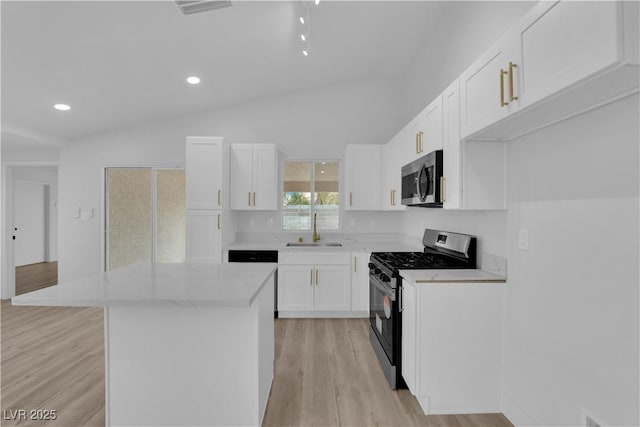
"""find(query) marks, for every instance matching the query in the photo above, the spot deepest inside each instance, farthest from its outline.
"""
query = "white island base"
(186, 345)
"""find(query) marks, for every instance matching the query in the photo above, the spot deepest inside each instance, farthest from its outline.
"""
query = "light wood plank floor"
(36, 276)
(326, 373)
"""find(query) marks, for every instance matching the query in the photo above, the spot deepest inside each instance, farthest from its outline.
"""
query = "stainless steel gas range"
(442, 250)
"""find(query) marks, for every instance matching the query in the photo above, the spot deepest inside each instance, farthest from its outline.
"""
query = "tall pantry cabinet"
(209, 224)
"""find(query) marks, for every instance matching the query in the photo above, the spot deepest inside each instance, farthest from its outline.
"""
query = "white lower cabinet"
(204, 235)
(360, 282)
(313, 285)
(452, 345)
(409, 327)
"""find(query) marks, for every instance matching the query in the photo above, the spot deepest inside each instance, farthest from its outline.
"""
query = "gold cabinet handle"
(218, 221)
(355, 264)
(316, 277)
(249, 199)
(254, 198)
(420, 140)
(311, 277)
(417, 149)
(511, 67)
(393, 197)
(218, 197)
(442, 195)
(502, 102)
(350, 198)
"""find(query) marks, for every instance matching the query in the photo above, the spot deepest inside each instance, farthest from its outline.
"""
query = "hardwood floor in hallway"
(326, 373)
(36, 276)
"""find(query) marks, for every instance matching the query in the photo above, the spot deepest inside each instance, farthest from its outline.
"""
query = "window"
(309, 188)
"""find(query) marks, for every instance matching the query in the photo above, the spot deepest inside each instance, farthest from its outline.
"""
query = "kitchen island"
(185, 344)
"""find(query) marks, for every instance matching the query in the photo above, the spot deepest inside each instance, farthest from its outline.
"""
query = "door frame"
(8, 267)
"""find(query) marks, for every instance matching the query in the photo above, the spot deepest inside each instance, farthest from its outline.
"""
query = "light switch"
(270, 222)
(523, 239)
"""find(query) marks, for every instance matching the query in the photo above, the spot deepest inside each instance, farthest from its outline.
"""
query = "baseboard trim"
(322, 314)
(515, 414)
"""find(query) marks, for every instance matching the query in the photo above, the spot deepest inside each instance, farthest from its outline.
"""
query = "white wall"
(313, 124)
(572, 303)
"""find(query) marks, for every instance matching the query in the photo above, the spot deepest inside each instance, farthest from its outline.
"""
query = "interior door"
(29, 221)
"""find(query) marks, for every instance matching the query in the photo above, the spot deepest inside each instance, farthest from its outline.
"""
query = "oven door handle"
(385, 290)
(400, 301)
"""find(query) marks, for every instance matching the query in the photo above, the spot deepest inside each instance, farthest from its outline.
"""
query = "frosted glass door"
(145, 211)
(129, 217)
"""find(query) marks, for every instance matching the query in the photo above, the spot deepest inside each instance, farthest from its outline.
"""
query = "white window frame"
(313, 187)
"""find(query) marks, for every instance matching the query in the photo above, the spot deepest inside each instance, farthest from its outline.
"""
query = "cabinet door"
(204, 236)
(409, 336)
(484, 87)
(241, 169)
(332, 288)
(452, 153)
(204, 173)
(565, 43)
(431, 127)
(362, 173)
(265, 177)
(360, 281)
(295, 287)
(391, 174)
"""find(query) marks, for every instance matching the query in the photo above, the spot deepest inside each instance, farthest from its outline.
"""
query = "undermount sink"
(313, 245)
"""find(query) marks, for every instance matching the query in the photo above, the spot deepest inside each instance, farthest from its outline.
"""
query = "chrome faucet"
(316, 236)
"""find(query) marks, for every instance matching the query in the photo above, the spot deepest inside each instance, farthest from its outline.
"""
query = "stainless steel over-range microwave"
(422, 181)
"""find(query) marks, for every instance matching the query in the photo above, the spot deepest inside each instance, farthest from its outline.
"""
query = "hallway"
(36, 276)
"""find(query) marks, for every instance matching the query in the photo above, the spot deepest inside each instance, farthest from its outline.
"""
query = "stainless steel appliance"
(442, 250)
(422, 181)
(259, 256)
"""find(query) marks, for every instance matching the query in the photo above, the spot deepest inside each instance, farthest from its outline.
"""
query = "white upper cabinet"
(254, 177)
(431, 131)
(561, 59)
(566, 43)
(391, 173)
(204, 173)
(362, 177)
(424, 133)
(488, 87)
(452, 152)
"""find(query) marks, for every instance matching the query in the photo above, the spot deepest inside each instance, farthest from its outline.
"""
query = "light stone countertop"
(165, 285)
(348, 245)
(451, 276)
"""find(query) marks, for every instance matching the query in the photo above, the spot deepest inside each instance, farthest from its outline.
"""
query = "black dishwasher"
(271, 256)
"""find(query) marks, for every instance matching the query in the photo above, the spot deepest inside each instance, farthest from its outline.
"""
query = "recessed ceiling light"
(62, 107)
(305, 53)
(301, 20)
(324, 163)
(193, 80)
(317, 2)
(303, 37)
(321, 171)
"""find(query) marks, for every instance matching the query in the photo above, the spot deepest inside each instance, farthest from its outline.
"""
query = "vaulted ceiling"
(118, 63)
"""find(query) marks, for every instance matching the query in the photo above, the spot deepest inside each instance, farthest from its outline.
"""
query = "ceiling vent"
(189, 7)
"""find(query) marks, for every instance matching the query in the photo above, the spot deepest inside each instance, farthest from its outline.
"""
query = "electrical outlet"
(252, 223)
(270, 222)
(523, 239)
(352, 222)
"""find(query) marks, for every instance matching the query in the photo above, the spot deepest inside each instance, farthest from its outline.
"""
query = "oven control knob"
(385, 278)
(371, 266)
(377, 271)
